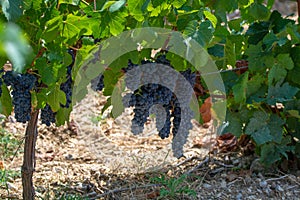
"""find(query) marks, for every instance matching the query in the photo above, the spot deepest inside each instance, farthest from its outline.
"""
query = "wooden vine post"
(29, 156)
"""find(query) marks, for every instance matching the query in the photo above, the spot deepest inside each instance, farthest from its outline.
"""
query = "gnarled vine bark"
(29, 157)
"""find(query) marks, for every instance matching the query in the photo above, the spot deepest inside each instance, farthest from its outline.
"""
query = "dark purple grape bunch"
(21, 85)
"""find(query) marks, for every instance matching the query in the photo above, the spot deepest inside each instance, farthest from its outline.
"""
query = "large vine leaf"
(202, 32)
(257, 32)
(281, 92)
(276, 73)
(235, 125)
(272, 152)
(135, 9)
(62, 116)
(293, 75)
(74, 26)
(240, 88)
(275, 126)
(257, 128)
(46, 71)
(254, 84)
(258, 11)
(258, 60)
(56, 98)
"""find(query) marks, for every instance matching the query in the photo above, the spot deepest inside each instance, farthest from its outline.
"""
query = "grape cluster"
(149, 86)
(66, 87)
(21, 85)
(47, 115)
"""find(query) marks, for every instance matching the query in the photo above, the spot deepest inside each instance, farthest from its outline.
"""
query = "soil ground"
(92, 159)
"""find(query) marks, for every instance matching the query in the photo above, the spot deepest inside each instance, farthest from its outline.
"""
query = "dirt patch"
(103, 160)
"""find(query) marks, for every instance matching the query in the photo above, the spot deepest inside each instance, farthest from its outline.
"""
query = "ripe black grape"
(47, 115)
(66, 87)
(21, 85)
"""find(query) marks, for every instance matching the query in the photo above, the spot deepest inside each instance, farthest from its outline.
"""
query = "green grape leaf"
(226, 5)
(293, 75)
(254, 84)
(293, 31)
(5, 101)
(107, 4)
(269, 40)
(257, 128)
(74, 26)
(257, 58)
(46, 71)
(229, 78)
(285, 61)
(62, 115)
(259, 11)
(178, 3)
(106, 105)
(281, 92)
(117, 5)
(72, 2)
(270, 4)
(240, 88)
(202, 32)
(235, 24)
(116, 100)
(230, 53)
(292, 105)
(235, 124)
(278, 22)
(117, 22)
(176, 61)
(12, 9)
(135, 9)
(257, 32)
(56, 97)
(272, 152)
(275, 126)
(216, 50)
(156, 3)
(269, 154)
(238, 41)
(276, 73)
(212, 18)
(294, 113)
(110, 81)
(53, 28)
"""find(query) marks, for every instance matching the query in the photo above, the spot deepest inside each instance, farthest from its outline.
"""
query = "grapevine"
(256, 53)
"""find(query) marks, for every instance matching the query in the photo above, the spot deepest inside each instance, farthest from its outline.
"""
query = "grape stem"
(29, 156)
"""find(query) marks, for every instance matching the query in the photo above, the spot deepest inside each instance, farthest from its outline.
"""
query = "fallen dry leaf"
(205, 110)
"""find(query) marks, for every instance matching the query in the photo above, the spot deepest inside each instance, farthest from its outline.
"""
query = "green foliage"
(173, 187)
(8, 144)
